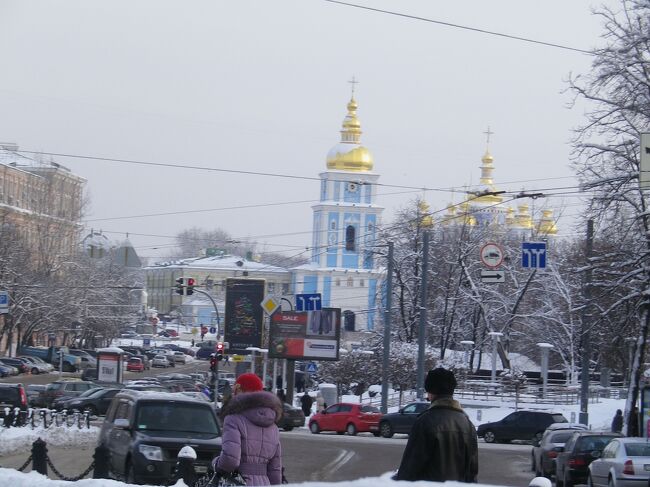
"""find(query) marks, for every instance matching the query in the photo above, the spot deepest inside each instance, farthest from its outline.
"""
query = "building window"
(285, 288)
(337, 282)
(350, 282)
(349, 238)
(333, 225)
(348, 320)
(271, 287)
(361, 283)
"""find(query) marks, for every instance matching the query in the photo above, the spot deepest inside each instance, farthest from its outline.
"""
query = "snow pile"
(33, 479)
(19, 440)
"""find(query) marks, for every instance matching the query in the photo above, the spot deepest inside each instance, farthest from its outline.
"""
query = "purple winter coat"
(251, 440)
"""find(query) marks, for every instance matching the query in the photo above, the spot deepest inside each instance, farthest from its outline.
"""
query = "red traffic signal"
(190, 283)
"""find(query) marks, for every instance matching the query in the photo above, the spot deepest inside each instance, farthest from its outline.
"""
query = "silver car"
(160, 361)
(624, 462)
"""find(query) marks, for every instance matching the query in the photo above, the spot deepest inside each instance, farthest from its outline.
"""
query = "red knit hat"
(249, 383)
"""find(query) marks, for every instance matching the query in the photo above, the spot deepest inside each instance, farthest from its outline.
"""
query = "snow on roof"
(110, 350)
(221, 262)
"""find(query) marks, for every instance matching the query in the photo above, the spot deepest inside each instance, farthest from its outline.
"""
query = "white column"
(545, 348)
(495, 340)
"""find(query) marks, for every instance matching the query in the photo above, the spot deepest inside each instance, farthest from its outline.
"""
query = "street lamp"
(495, 340)
(545, 348)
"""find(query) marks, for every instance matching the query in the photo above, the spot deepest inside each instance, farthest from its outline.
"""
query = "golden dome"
(487, 158)
(349, 154)
(546, 224)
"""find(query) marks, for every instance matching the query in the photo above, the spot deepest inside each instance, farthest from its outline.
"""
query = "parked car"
(87, 360)
(14, 362)
(135, 365)
(160, 361)
(520, 425)
(12, 396)
(179, 357)
(145, 431)
(403, 420)
(61, 403)
(35, 395)
(96, 402)
(582, 448)
(347, 418)
(146, 361)
(622, 463)
(547, 449)
(6, 371)
(62, 388)
(292, 417)
(36, 367)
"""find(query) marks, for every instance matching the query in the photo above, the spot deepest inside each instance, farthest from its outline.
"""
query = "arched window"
(349, 238)
(348, 320)
(333, 225)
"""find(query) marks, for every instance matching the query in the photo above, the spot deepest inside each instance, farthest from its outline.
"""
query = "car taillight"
(551, 454)
(577, 462)
(23, 397)
(628, 467)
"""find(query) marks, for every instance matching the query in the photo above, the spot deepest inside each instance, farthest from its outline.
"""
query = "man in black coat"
(442, 444)
(305, 402)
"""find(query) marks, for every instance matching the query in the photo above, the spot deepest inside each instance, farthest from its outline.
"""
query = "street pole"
(545, 348)
(387, 313)
(586, 339)
(495, 340)
(423, 315)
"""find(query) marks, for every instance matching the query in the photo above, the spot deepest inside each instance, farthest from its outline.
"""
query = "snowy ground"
(19, 440)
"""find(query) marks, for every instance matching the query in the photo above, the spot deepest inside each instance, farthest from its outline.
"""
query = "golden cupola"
(487, 181)
(547, 224)
(349, 154)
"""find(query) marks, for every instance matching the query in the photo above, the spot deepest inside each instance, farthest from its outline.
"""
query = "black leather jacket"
(442, 445)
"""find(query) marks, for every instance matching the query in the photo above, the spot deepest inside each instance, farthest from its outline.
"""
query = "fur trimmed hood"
(255, 406)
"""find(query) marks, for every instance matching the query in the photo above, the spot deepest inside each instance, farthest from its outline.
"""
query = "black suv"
(572, 465)
(12, 396)
(144, 431)
(520, 425)
(403, 420)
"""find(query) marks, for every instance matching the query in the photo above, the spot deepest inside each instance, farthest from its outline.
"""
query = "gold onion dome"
(547, 224)
(349, 154)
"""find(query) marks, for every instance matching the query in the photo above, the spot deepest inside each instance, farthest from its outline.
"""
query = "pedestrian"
(251, 440)
(617, 422)
(305, 403)
(443, 444)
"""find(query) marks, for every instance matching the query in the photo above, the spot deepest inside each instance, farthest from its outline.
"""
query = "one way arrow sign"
(493, 276)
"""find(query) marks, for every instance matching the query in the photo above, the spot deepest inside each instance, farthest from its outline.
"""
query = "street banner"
(305, 334)
(244, 315)
(108, 365)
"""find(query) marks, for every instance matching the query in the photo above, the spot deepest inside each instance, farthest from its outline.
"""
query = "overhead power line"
(463, 27)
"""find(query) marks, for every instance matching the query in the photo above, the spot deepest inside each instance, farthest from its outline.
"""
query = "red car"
(135, 365)
(347, 418)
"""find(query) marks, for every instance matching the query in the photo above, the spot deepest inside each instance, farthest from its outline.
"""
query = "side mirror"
(122, 424)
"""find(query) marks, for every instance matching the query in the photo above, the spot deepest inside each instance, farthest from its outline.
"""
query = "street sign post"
(308, 302)
(312, 368)
(492, 276)
(533, 255)
(644, 166)
(213, 329)
(491, 255)
(270, 305)
(4, 302)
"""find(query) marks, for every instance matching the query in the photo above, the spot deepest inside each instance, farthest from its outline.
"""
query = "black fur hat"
(440, 381)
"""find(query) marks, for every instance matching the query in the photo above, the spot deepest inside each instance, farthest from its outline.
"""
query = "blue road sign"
(533, 255)
(312, 368)
(213, 329)
(146, 342)
(4, 302)
(308, 302)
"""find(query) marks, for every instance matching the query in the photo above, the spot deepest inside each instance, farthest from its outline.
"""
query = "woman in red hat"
(251, 440)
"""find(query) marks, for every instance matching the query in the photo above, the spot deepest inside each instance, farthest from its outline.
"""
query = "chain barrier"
(24, 466)
(69, 479)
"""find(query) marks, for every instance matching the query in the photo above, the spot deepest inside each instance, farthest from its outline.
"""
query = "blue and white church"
(343, 265)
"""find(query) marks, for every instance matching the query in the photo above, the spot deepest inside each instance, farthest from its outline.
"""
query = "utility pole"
(586, 341)
(387, 312)
(423, 314)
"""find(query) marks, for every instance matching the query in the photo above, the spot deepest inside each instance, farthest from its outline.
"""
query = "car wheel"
(35, 371)
(314, 428)
(351, 429)
(386, 429)
(567, 481)
(489, 437)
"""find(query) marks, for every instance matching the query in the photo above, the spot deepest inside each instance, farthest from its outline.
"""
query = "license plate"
(297, 422)
(374, 428)
(200, 468)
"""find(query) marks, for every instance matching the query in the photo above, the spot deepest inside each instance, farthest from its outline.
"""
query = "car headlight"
(151, 452)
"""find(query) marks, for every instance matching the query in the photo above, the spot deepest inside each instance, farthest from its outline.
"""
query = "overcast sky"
(262, 86)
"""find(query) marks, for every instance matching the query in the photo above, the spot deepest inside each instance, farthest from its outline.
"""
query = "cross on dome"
(353, 82)
(488, 133)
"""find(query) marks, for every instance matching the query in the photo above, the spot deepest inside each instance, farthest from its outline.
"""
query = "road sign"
(4, 302)
(146, 342)
(312, 368)
(533, 255)
(237, 358)
(644, 166)
(270, 305)
(213, 329)
(491, 255)
(492, 276)
(308, 302)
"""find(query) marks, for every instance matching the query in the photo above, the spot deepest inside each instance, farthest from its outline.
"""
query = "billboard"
(244, 316)
(305, 334)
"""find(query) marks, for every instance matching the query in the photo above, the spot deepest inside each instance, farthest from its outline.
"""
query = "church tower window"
(349, 238)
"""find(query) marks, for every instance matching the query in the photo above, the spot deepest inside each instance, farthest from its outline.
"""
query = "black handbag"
(226, 479)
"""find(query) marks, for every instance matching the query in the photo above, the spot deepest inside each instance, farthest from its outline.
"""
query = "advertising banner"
(305, 334)
(108, 365)
(244, 314)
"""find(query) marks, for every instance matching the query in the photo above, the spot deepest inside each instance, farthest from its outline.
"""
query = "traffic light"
(213, 363)
(180, 285)
(219, 351)
(189, 289)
